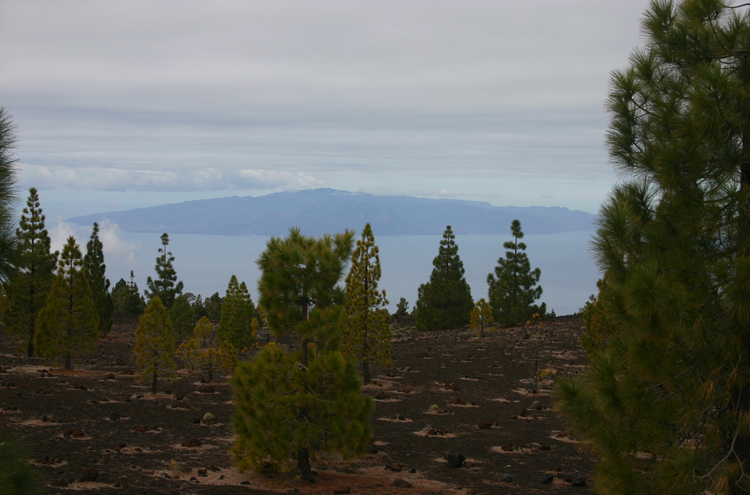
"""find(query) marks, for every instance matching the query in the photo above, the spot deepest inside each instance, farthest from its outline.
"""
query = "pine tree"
(165, 286)
(512, 290)
(199, 351)
(29, 288)
(665, 401)
(481, 317)
(367, 336)
(93, 261)
(182, 318)
(69, 322)
(8, 177)
(445, 301)
(237, 313)
(291, 402)
(154, 350)
(17, 476)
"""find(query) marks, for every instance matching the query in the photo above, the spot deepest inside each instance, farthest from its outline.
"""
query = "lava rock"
(546, 479)
(578, 481)
(89, 475)
(206, 389)
(381, 396)
(191, 443)
(506, 478)
(455, 460)
(484, 425)
(401, 484)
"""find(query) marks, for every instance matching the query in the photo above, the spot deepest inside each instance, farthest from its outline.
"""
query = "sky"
(120, 105)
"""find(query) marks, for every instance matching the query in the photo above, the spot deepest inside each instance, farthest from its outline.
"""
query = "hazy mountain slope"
(320, 211)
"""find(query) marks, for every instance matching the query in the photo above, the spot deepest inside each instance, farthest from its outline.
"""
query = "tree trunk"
(365, 371)
(68, 366)
(303, 454)
(30, 348)
(153, 384)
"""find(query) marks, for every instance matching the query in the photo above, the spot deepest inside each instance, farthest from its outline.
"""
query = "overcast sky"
(126, 104)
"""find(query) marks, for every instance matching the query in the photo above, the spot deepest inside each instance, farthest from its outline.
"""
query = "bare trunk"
(153, 384)
(303, 454)
(68, 365)
(365, 371)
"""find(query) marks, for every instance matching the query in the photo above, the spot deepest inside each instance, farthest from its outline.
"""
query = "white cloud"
(59, 236)
(113, 244)
(120, 179)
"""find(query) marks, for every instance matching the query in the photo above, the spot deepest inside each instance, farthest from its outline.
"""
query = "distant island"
(321, 211)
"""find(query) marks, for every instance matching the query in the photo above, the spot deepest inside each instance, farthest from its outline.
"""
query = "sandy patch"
(533, 448)
(463, 405)
(503, 399)
(528, 393)
(205, 446)
(395, 420)
(563, 437)
(86, 485)
(39, 422)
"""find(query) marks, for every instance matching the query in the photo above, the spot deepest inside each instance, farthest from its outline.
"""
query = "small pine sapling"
(481, 317)
(154, 350)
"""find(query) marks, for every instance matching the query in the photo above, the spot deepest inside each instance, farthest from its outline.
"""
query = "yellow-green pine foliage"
(154, 350)
(28, 289)
(69, 322)
(367, 335)
(481, 317)
(203, 330)
(294, 404)
(190, 354)
(269, 391)
(665, 401)
(237, 313)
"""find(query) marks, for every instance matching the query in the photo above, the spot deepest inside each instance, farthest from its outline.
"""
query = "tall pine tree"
(513, 288)
(291, 402)
(665, 401)
(445, 301)
(165, 286)
(183, 320)
(29, 288)
(154, 350)
(237, 313)
(93, 262)
(367, 336)
(69, 322)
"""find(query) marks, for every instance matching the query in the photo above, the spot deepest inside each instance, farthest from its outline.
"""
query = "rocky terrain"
(457, 414)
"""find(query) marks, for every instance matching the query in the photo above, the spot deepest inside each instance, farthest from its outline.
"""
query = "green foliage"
(189, 353)
(481, 317)
(445, 301)
(154, 350)
(297, 403)
(93, 262)
(512, 290)
(402, 308)
(29, 288)
(269, 391)
(8, 178)
(165, 286)
(237, 314)
(126, 298)
(198, 351)
(69, 322)
(182, 318)
(667, 335)
(210, 307)
(17, 476)
(367, 336)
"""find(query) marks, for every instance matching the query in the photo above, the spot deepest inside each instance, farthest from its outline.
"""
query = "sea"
(205, 263)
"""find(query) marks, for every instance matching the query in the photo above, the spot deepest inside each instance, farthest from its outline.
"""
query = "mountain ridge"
(321, 211)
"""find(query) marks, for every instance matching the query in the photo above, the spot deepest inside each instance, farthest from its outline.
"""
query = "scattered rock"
(578, 481)
(545, 447)
(110, 376)
(506, 478)
(455, 460)
(484, 425)
(206, 389)
(191, 443)
(381, 396)
(202, 473)
(89, 475)
(48, 460)
(401, 484)
(71, 432)
(121, 446)
(523, 413)
(508, 447)
(413, 470)
(60, 483)
(114, 417)
(546, 479)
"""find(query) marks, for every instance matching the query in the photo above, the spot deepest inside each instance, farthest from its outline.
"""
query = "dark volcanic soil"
(449, 392)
